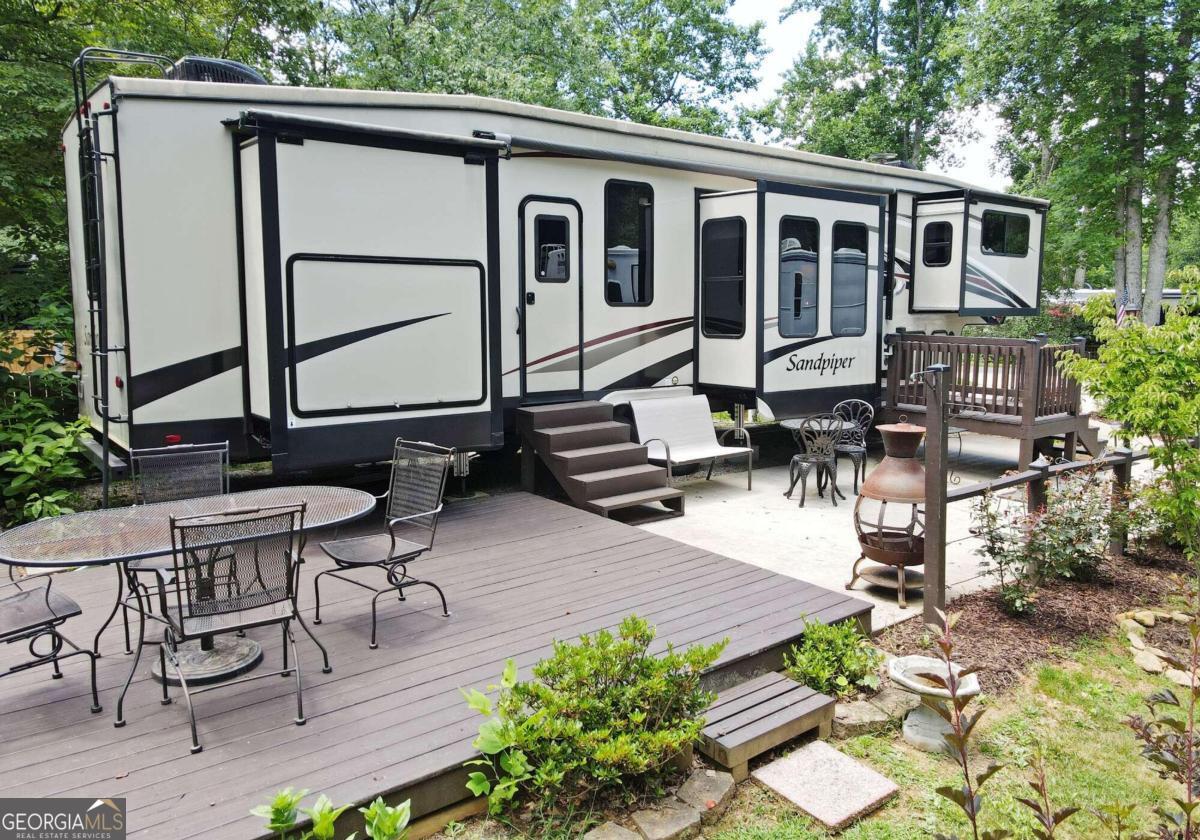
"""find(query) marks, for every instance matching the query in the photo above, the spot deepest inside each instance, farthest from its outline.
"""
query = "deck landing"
(519, 571)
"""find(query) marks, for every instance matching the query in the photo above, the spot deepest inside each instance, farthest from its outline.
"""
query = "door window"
(939, 239)
(848, 296)
(551, 237)
(1005, 234)
(628, 243)
(799, 251)
(723, 278)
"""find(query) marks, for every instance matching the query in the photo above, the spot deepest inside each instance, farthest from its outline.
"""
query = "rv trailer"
(310, 273)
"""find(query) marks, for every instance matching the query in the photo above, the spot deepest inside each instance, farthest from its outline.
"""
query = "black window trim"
(649, 243)
(949, 243)
(866, 278)
(552, 217)
(745, 244)
(817, 299)
(1006, 214)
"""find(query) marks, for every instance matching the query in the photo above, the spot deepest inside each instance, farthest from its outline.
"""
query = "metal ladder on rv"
(92, 159)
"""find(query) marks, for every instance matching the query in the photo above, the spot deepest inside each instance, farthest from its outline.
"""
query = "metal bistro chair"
(166, 474)
(857, 417)
(233, 571)
(414, 505)
(818, 437)
(30, 613)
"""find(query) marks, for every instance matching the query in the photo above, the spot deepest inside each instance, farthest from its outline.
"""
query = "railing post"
(1028, 398)
(1036, 495)
(937, 390)
(1118, 535)
(1041, 338)
(893, 370)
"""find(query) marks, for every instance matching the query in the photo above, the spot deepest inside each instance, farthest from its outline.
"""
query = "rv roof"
(283, 95)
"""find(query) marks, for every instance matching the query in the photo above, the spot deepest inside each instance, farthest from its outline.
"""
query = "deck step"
(551, 440)
(668, 496)
(537, 417)
(608, 456)
(749, 719)
(616, 481)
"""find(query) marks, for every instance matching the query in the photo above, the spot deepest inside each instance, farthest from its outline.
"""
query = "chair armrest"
(727, 432)
(667, 452)
(399, 519)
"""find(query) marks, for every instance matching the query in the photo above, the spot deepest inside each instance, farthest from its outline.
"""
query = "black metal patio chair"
(818, 437)
(33, 614)
(414, 505)
(857, 417)
(165, 474)
(231, 572)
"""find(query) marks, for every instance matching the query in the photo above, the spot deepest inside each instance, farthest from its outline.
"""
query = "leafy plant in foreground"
(383, 821)
(600, 716)
(834, 659)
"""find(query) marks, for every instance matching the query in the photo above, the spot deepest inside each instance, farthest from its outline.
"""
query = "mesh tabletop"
(96, 537)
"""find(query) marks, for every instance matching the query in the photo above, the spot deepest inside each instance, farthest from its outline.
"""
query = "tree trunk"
(1156, 269)
(1119, 257)
(1133, 243)
(1134, 186)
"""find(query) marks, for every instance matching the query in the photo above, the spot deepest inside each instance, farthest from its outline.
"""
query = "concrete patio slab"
(830, 787)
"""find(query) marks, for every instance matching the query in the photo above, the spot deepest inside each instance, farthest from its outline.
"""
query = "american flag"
(1121, 310)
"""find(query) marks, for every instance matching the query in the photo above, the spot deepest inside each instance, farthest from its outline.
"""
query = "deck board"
(519, 571)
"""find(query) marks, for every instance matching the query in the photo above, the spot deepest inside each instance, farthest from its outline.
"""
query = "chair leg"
(96, 707)
(833, 488)
(750, 471)
(803, 483)
(286, 672)
(711, 464)
(162, 669)
(57, 675)
(290, 639)
(794, 475)
(187, 696)
(137, 656)
(374, 600)
(326, 669)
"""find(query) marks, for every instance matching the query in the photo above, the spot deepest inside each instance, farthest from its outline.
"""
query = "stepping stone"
(830, 787)
(1135, 641)
(1148, 662)
(610, 831)
(1180, 678)
(859, 717)
(1181, 618)
(1131, 626)
(668, 821)
(709, 792)
(1144, 618)
(893, 702)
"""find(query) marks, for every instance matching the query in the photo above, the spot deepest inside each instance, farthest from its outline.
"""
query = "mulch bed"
(1068, 612)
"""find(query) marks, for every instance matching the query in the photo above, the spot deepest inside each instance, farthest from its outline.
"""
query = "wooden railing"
(1008, 377)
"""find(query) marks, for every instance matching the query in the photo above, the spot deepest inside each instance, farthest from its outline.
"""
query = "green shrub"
(40, 448)
(382, 821)
(601, 716)
(834, 659)
(1068, 538)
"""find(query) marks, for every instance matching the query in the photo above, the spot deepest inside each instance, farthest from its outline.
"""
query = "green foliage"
(1060, 322)
(874, 79)
(382, 821)
(39, 451)
(834, 659)
(1148, 380)
(602, 716)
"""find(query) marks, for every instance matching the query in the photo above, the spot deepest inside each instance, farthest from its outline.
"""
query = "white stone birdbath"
(923, 727)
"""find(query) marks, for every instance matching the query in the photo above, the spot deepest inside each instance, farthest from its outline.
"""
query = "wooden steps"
(749, 719)
(592, 458)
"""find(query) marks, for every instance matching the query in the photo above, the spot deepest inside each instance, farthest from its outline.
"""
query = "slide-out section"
(368, 291)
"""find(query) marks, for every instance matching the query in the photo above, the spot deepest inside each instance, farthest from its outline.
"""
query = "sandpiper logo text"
(58, 818)
(821, 363)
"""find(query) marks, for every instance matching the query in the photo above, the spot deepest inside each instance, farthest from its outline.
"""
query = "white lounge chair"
(679, 430)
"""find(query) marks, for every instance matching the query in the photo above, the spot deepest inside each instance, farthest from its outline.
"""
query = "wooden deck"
(519, 571)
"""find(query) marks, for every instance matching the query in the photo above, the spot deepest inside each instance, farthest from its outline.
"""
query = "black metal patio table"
(119, 535)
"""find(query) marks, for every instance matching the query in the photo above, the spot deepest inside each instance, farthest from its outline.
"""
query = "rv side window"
(723, 278)
(798, 259)
(552, 252)
(848, 293)
(1005, 234)
(628, 243)
(939, 237)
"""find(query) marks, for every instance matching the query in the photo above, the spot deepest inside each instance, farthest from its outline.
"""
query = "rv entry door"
(551, 271)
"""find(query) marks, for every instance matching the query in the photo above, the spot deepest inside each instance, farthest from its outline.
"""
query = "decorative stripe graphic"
(600, 355)
(676, 323)
(650, 375)
(155, 384)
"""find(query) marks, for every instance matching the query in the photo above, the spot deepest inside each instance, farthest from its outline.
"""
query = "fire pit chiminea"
(888, 515)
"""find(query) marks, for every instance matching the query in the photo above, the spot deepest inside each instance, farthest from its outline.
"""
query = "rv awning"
(283, 120)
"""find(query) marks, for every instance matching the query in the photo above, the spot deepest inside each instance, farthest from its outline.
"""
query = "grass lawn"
(1073, 711)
